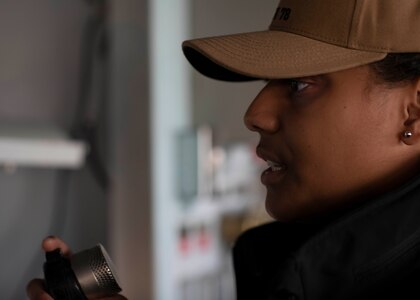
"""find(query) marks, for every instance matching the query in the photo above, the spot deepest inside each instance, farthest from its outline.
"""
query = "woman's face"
(330, 140)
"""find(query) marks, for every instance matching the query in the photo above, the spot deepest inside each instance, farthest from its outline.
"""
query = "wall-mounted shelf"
(40, 146)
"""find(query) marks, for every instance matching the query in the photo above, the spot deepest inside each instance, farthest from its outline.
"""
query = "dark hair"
(397, 68)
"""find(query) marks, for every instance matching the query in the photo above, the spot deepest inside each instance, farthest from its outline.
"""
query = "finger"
(36, 291)
(52, 242)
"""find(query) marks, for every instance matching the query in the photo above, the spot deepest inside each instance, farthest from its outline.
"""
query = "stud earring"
(407, 134)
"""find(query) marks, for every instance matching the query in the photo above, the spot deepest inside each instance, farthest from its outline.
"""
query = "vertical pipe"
(170, 112)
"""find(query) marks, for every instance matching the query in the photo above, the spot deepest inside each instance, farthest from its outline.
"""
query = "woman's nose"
(263, 115)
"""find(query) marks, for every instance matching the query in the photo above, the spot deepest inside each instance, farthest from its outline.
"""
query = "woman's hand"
(36, 287)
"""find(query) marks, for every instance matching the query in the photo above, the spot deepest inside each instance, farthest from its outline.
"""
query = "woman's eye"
(298, 86)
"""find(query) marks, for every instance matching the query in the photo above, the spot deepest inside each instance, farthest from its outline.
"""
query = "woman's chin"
(279, 210)
(287, 209)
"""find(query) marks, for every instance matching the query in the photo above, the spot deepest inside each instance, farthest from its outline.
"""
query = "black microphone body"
(88, 274)
(60, 279)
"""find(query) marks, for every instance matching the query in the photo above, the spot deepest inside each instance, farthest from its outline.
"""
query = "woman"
(339, 127)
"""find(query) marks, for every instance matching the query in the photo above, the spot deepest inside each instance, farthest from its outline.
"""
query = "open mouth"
(274, 166)
(274, 174)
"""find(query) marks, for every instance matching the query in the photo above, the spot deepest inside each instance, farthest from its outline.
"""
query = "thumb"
(52, 242)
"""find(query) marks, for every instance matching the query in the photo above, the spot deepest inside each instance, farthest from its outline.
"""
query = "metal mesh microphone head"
(95, 272)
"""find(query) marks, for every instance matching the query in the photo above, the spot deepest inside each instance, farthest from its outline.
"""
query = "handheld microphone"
(88, 274)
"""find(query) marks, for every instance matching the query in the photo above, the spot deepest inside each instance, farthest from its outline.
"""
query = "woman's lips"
(274, 173)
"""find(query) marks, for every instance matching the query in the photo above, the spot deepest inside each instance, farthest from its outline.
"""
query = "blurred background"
(108, 136)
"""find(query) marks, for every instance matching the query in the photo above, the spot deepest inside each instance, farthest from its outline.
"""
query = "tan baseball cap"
(310, 37)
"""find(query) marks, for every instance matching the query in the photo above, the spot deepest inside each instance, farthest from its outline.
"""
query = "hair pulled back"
(397, 68)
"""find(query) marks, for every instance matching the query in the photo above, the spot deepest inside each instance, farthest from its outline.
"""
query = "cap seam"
(369, 47)
(310, 34)
(348, 45)
(355, 16)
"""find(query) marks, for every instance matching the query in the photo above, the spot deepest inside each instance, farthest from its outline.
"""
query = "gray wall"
(39, 59)
(39, 69)
(39, 78)
(130, 213)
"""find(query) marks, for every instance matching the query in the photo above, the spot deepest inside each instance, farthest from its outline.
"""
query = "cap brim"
(270, 55)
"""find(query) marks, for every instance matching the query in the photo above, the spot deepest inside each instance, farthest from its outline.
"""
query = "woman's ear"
(411, 133)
